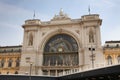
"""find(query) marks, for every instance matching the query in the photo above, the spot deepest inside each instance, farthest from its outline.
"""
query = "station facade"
(111, 51)
(61, 44)
(10, 57)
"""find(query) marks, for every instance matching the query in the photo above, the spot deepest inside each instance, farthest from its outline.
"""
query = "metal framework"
(106, 73)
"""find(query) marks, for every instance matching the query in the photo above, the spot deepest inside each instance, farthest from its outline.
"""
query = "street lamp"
(30, 71)
(92, 55)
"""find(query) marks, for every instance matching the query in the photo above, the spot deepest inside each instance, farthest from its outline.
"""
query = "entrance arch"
(60, 53)
(62, 42)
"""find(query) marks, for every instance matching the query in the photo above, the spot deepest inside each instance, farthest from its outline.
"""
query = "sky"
(13, 13)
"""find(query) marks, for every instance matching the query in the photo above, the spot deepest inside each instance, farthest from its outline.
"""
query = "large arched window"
(109, 60)
(61, 43)
(60, 50)
(118, 59)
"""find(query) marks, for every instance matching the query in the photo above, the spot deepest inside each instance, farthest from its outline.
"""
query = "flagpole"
(34, 15)
(89, 9)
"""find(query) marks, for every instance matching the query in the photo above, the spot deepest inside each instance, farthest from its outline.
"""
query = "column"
(81, 57)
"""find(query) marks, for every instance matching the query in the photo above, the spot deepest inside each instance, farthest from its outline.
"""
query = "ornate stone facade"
(61, 44)
(112, 52)
(10, 59)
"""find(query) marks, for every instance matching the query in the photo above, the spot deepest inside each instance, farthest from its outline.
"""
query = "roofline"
(10, 46)
(112, 41)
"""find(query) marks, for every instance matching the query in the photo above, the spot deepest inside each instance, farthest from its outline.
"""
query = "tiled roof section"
(112, 42)
(10, 49)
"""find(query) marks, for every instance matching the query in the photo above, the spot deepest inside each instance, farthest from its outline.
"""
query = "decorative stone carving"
(43, 33)
(60, 30)
(77, 31)
(61, 16)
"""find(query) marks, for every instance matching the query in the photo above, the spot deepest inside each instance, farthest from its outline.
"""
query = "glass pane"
(61, 43)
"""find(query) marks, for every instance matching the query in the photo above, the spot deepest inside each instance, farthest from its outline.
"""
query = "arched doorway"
(60, 54)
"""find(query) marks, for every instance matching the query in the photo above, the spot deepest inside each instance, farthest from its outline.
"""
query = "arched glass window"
(60, 50)
(109, 59)
(17, 62)
(2, 63)
(118, 58)
(10, 62)
(61, 43)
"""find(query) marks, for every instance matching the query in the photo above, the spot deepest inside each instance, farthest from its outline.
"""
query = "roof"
(17, 46)
(8, 49)
(106, 73)
(112, 41)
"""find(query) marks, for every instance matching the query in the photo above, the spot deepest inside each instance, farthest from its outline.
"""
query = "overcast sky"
(13, 13)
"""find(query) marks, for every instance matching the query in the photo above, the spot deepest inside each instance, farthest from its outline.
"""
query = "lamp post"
(30, 71)
(92, 55)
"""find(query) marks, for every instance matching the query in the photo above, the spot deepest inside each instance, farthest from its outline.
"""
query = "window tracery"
(61, 50)
(61, 41)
